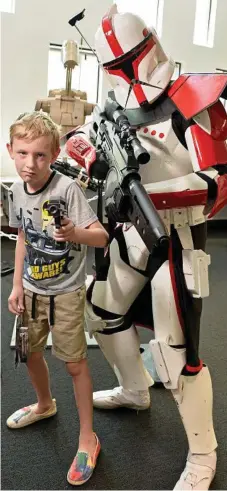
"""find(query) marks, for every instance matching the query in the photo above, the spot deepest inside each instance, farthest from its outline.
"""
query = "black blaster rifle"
(125, 197)
(75, 173)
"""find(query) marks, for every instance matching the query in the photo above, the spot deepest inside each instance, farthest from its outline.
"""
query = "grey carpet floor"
(139, 451)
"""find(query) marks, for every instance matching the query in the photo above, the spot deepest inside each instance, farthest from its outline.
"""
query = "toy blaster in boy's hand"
(56, 208)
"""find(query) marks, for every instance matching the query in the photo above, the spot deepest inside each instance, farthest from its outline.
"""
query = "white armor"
(123, 284)
(177, 180)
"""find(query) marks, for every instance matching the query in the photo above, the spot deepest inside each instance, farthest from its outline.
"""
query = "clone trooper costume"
(183, 126)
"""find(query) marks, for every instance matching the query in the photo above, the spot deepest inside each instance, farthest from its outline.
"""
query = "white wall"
(177, 37)
(27, 33)
(25, 38)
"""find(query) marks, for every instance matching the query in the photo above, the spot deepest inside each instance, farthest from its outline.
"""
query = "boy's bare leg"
(39, 375)
(82, 385)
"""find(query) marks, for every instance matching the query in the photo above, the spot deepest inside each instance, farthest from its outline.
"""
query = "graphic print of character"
(42, 249)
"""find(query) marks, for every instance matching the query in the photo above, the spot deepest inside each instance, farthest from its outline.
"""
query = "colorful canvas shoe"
(83, 466)
(26, 416)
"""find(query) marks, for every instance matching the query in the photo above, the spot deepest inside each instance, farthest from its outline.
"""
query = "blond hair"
(30, 126)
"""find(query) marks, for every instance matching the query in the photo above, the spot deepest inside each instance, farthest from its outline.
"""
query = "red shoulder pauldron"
(193, 93)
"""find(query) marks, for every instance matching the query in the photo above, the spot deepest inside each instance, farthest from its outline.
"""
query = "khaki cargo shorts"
(68, 336)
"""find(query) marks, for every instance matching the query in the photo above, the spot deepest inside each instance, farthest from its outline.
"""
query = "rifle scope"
(115, 113)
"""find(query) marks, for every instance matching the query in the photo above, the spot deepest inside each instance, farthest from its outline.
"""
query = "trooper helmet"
(132, 58)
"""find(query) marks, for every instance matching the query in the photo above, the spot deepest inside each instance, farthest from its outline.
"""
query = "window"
(7, 6)
(150, 11)
(177, 70)
(86, 77)
(205, 17)
(224, 101)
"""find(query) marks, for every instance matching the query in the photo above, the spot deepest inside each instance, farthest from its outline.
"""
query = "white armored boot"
(199, 472)
(122, 351)
(194, 399)
(120, 397)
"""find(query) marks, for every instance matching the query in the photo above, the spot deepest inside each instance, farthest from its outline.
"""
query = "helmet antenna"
(73, 22)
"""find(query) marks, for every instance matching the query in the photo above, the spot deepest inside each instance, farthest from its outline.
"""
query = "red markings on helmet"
(110, 37)
(145, 130)
(153, 132)
(161, 135)
(145, 32)
(138, 89)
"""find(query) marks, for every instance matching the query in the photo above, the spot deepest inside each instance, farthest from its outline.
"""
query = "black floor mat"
(139, 451)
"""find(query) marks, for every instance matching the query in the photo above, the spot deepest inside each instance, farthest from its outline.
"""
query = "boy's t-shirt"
(50, 267)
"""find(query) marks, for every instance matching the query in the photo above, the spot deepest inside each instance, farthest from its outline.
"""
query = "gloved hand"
(80, 149)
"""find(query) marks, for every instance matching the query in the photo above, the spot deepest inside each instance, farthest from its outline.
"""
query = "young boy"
(49, 278)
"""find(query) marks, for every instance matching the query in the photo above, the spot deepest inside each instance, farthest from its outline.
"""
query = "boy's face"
(33, 158)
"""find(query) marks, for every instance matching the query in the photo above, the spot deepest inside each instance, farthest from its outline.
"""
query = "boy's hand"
(16, 300)
(66, 233)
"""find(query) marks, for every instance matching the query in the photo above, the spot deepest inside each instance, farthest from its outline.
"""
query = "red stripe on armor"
(194, 369)
(221, 200)
(218, 120)
(138, 90)
(110, 37)
(179, 313)
(179, 199)
(174, 286)
(209, 152)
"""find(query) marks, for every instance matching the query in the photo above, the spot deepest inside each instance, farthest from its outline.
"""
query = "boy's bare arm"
(19, 259)
(94, 236)
(16, 298)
